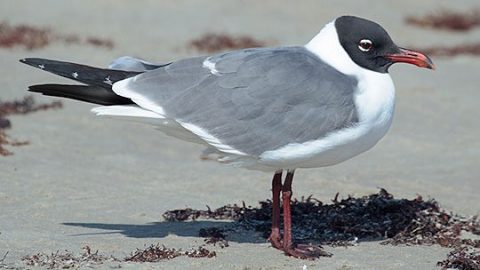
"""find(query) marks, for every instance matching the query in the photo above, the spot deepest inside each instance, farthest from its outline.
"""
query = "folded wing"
(249, 101)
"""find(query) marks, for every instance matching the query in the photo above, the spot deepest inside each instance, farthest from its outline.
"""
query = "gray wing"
(252, 100)
(129, 63)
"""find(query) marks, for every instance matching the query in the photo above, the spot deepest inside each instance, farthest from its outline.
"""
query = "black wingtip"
(88, 93)
(85, 74)
(27, 61)
(35, 88)
(35, 62)
(24, 60)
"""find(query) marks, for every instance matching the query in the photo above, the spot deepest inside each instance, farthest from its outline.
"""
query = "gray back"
(260, 100)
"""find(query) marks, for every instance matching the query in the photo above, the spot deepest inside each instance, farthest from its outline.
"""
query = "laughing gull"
(270, 109)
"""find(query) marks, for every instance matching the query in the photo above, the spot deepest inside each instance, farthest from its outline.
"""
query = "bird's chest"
(374, 102)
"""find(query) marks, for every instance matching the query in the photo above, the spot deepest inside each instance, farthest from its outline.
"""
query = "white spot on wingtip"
(41, 66)
(108, 81)
(211, 66)
(75, 75)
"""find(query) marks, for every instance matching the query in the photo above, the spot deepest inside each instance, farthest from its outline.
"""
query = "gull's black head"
(370, 46)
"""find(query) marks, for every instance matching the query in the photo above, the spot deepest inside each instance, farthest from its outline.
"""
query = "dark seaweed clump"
(465, 258)
(153, 253)
(375, 217)
(346, 222)
(215, 236)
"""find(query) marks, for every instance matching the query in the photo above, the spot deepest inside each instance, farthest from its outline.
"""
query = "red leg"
(275, 238)
(287, 215)
(297, 251)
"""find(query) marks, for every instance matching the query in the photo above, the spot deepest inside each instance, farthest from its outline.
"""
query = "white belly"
(375, 102)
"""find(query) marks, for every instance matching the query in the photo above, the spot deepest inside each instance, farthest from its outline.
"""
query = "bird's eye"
(365, 45)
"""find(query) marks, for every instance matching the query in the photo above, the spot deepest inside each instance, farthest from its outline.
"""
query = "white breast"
(374, 100)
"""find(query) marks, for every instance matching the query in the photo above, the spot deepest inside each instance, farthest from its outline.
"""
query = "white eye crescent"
(365, 45)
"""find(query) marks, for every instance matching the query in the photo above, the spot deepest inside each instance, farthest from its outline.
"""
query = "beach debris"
(181, 214)
(448, 20)
(227, 212)
(348, 221)
(23, 106)
(23, 35)
(153, 253)
(66, 259)
(465, 258)
(157, 252)
(88, 259)
(200, 252)
(33, 37)
(448, 51)
(453, 21)
(214, 42)
(214, 235)
(343, 222)
(99, 42)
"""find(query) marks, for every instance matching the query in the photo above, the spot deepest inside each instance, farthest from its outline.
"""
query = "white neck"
(327, 47)
(375, 93)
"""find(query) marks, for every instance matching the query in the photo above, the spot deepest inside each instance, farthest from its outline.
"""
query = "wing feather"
(256, 100)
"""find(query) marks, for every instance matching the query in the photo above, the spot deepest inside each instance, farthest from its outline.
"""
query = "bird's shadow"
(163, 229)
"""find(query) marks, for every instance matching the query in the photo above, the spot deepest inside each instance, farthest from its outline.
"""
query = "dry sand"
(118, 177)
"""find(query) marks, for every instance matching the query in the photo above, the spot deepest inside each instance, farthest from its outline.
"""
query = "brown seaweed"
(66, 259)
(156, 253)
(33, 37)
(348, 221)
(212, 42)
(448, 20)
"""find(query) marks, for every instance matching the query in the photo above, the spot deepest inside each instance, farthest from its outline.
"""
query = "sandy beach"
(114, 179)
